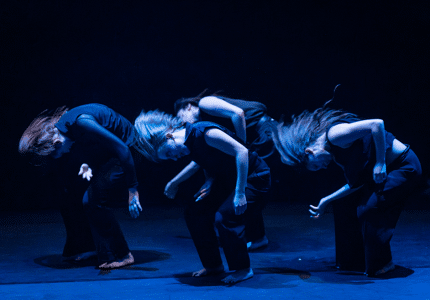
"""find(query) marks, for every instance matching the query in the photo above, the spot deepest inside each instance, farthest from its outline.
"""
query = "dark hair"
(38, 138)
(183, 102)
(292, 139)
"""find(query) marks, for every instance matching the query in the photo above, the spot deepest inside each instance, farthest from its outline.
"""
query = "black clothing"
(258, 133)
(253, 112)
(358, 160)
(100, 126)
(365, 222)
(217, 208)
(101, 137)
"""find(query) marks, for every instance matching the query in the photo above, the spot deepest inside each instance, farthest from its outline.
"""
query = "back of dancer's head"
(38, 138)
(151, 128)
(183, 102)
(292, 139)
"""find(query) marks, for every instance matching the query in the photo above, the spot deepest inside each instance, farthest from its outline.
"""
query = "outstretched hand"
(239, 202)
(86, 172)
(134, 204)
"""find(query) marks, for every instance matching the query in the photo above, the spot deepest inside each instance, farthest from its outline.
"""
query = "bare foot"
(387, 268)
(127, 260)
(257, 244)
(238, 276)
(209, 271)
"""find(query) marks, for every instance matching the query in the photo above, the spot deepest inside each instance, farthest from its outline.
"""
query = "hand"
(86, 172)
(171, 189)
(380, 172)
(239, 202)
(134, 204)
(317, 211)
(204, 190)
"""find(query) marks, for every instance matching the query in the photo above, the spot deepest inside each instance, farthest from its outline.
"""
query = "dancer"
(248, 119)
(379, 168)
(96, 129)
(241, 180)
(250, 122)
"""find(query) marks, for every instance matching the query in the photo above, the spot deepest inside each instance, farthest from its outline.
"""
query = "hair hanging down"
(38, 137)
(293, 138)
(151, 128)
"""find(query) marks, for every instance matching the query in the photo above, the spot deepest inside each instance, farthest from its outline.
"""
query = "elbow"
(243, 153)
(378, 125)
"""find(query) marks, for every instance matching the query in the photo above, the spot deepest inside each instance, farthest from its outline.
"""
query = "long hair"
(38, 138)
(292, 139)
(183, 102)
(151, 128)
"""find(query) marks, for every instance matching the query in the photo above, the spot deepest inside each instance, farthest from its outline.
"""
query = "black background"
(134, 55)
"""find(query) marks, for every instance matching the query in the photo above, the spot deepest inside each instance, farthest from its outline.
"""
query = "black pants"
(218, 209)
(107, 190)
(365, 222)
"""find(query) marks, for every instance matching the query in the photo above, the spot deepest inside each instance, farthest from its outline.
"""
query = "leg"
(348, 236)
(231, 230)
(199, 218)
(79, 239)
(379, 213)
(257, 194)
(108, 237)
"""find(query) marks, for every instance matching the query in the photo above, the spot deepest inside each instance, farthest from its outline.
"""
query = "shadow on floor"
(140, 257)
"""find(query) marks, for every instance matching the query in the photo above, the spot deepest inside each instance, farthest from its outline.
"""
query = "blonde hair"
(152, 128)
(38, 138)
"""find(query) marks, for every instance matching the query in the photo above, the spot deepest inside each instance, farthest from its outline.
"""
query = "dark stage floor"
(297, 263)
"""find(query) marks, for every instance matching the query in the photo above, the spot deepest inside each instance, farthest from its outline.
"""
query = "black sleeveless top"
(358, 160)
(75, 128)
(215, 162)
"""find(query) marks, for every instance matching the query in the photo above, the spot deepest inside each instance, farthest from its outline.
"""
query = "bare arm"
(316, 211)
(173, 185)
(225, 143)
(89, 125)
(343, 135)
(219, 108)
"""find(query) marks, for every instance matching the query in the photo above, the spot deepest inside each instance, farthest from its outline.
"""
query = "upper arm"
(223, 142)
(344, 134)
(219, 108)
(87, 124)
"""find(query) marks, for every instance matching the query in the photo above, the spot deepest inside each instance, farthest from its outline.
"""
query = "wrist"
(240, 192)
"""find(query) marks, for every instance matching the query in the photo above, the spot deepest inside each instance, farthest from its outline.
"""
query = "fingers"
(134, 207)
(240, 209)
(134, 212)
(314, 212)
(199, 193)
(379, 178)
(202, 196)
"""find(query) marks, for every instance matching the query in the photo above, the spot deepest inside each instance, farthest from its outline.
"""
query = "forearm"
(239, 124)
(186, 173)
(242, 170)
(340, 193)
(378, 134)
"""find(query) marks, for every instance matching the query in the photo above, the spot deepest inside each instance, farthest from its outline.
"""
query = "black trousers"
(365, 222)
(218, 209)
(107, 189)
